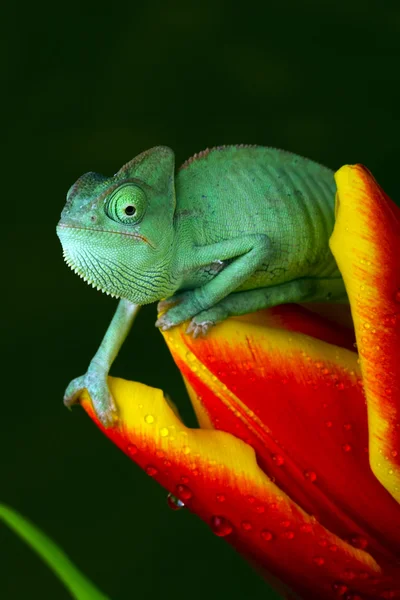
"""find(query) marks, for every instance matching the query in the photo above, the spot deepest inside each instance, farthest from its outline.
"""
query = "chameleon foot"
(95, 382)
(180, 308)
(199, 328)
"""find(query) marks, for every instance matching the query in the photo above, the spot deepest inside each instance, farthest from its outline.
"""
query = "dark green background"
(88, 88)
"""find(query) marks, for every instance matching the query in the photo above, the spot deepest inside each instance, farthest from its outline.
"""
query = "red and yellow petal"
(217, 476)
(298, 401)
(366, 245)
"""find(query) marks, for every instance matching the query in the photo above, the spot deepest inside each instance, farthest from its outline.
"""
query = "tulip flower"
(297, 459)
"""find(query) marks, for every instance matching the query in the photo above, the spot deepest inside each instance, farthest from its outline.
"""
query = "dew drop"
(149, 419)
(339, 588)
(174, 503)
(328, 424)
(186, 450)
(306, 528)
(310, 475)
(346, 448)
(132, 449)
(319, 561)
(184, 479)
(288, 535)
(246, 525)
(151, 471)
(333, 548)
(220, 498)
(339, 385)
(278, 459)
(394, 453)
(358, 541)
(266, 535)
(260, 509)
(221, 526)
(347, 426)
(285, 524)
(251, 499)
(164, 431)
(184, 492)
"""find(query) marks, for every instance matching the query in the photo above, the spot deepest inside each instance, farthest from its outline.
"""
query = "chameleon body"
(237, 229)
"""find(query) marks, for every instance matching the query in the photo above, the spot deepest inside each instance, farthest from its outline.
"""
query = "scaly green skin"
(238, 229)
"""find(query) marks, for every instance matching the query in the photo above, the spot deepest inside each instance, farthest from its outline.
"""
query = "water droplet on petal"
(394, 453)
(184, 492)
(310, 475)
(346, 448)
(347, 426)
(285, 523)
(149, 419)
(339, 588)
(358, 541)
(221, 526)
(319, 560)
(151, 471)
(328, 424)
(288, 535)
(220, 497)
(132, 449)
(174, 503)
(306, 528)
(266, 535)
(246, 525)
(164, 431)
(278, 459)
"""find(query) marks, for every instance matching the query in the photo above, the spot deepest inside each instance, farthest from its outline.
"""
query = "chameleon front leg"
(249, 252)
(95, 379)
(241, 303)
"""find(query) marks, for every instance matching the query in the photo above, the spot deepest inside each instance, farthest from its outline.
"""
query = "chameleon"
(237, 229)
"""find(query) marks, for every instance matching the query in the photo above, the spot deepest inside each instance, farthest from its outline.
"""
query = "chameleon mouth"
(78, 270)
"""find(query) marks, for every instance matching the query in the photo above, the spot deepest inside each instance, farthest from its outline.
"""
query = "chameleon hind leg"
(241, 303)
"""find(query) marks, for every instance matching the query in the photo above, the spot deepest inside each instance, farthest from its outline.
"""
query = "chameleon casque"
(237, 229)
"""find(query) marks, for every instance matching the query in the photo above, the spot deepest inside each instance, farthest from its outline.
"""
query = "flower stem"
(80, 587)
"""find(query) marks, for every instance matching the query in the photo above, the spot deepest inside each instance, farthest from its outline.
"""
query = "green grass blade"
(80, 587)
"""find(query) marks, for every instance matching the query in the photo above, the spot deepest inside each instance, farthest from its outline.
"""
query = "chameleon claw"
(95, 382)
(162, 324)
(199, 329)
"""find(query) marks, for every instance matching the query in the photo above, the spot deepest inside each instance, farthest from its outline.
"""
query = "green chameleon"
(238, 229)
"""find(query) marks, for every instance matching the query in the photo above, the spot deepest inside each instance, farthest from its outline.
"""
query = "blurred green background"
(88, 88)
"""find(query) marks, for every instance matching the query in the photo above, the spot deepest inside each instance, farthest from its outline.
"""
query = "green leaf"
(80, 587)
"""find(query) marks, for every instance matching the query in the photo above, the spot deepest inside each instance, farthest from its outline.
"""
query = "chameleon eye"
(127, 204)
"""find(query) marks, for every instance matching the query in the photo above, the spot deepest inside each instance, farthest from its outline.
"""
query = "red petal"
(366, 245)
(217, 477)
(299, 403)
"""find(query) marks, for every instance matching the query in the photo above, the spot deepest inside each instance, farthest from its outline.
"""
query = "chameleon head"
(117, 232)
